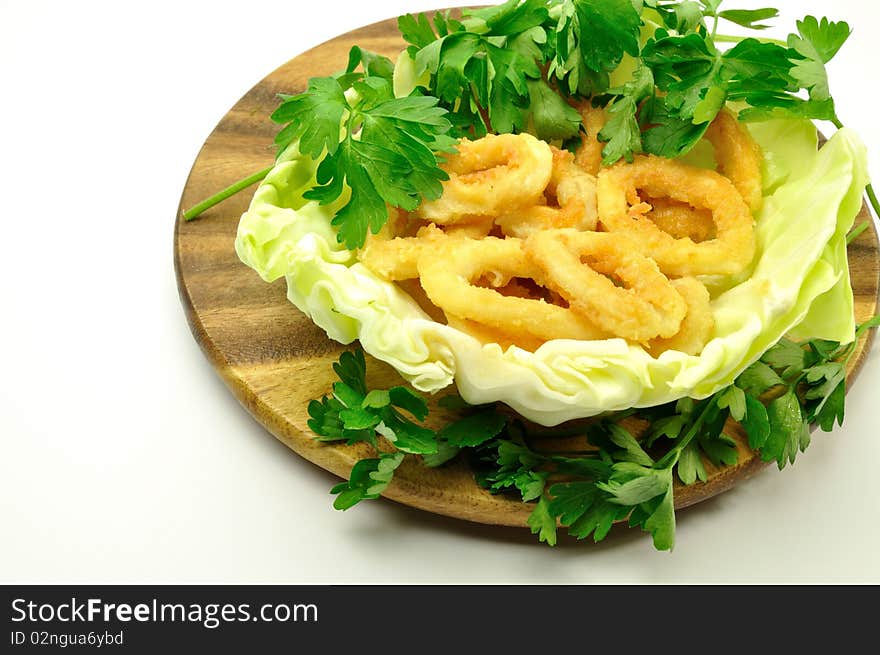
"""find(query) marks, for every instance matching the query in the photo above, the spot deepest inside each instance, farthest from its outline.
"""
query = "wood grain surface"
(274, 359)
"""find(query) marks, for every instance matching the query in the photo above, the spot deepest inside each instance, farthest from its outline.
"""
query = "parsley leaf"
(512, 17)
(690, 464)
(368, 479)
(352, 414)
(543, 523)
(506, 464)
(749, 18)
(622, 131)
(657, 517)
(792, 387)
(787, 357)
(312, 117)
(584, 509)
(815, 44)
(475, 429)
(681, 17)
(696, 78)
(669, 135)
(788, 430)
(486, 69)
(607, 29)
(548, 114)
(387, 154)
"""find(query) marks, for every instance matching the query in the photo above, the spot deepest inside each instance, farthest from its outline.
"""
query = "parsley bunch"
(777, 400)
(694, 78)
(488, 69)
(375, 150)
(514, 67)
(353, 414)
(522, 66)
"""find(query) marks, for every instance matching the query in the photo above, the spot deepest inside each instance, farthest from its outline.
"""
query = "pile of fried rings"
(530, 243)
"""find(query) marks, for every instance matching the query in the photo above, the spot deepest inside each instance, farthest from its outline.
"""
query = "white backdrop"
(125, 459)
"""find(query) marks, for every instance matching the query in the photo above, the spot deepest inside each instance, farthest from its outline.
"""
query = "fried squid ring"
(738, 156)
(680, 220)
(396, 259)
(477, 228)
(448, 280)
(696, 328)
(489, 175)
(570, 184)
(573, 192)
(576, 265)
(728, 253)
(485, 334)
(589, 155)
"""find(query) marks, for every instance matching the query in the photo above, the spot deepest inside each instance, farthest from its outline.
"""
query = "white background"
(125, 459)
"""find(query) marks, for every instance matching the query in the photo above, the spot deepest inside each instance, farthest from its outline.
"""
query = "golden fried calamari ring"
(413, 288)
(477, 228)
(728, 253)
(576, 265)
(489, 175)
(738, 156)
(570, 184)
(537, 218)
(396, 259)
(589, 155)
(448, 281)
(679, 219)
(574, 194)
(696, 328)
(485, 334)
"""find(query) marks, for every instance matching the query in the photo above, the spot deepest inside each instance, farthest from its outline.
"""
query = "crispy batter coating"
(604, 278)
(569, 200)
(489, 176)
(738, 156)
(696, 328)
(680, 220)
(728, 253)
(589, 155)
(448, 280)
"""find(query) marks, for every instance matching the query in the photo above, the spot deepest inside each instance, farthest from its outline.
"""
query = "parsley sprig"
(387, 154)
(375, 150)
(617, 477)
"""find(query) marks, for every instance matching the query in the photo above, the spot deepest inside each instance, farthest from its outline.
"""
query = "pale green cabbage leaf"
(799, 285)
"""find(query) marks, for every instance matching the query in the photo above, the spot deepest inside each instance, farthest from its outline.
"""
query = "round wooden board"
(275, 360)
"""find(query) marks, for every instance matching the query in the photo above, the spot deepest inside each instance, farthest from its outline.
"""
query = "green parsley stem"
(872, 198)
(872, 322)
(726, 38)
(672, 456)
(856, 231)
(228, 192)
(564, 454)
(869, 191)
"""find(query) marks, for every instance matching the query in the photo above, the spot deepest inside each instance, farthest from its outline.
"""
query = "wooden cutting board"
(275, 360)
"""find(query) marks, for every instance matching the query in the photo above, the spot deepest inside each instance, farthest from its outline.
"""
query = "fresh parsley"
(523, 66)
(387, 154)
(617, 477)
(486, 69)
